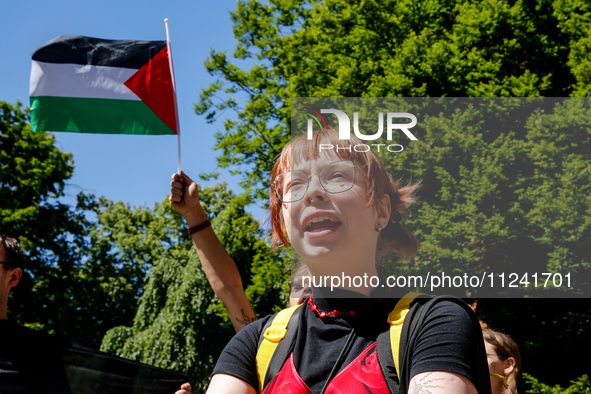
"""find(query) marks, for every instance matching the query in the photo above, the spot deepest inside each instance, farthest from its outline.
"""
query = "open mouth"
(321, 223)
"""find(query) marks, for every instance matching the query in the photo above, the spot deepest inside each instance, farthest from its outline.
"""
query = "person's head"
(11, 257)
(344, 199)
(299, 289)
(504, 361)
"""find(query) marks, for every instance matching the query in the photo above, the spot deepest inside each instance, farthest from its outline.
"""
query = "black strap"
(386, 361)
(340, 359)
(283, 349)
(396, 384)
(410, 329)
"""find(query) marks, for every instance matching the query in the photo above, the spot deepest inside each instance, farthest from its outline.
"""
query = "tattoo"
(424, 384)
(246, 320)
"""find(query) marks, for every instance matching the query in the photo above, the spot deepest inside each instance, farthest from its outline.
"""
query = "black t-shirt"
(448, 341)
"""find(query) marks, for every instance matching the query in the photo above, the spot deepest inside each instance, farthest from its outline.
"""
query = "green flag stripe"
(91, 115)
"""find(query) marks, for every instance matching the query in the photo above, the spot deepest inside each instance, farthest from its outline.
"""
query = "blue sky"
(133, 169)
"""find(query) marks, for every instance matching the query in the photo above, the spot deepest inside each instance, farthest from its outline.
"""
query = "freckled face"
(328, 226)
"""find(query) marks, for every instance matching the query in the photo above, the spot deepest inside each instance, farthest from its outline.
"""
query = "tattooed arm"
(438, 382)
(449, 355)
(220, 269)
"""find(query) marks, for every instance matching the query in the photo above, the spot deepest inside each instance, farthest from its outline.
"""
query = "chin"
(309, 252)
(322, 254)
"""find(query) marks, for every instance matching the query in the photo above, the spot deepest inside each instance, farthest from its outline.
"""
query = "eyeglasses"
(335, 177)
(495, 355)
(298, 290)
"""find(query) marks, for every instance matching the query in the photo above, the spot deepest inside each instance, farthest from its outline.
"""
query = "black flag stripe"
(98, 52)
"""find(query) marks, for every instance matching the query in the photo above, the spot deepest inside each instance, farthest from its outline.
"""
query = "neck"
(3, 306)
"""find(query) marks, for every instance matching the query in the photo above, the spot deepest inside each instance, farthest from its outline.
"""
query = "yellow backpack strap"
(271, 338)
(396, 320)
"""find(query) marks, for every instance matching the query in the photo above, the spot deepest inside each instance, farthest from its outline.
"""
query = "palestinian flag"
(90, 85)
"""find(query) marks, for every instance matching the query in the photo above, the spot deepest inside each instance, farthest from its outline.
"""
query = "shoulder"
(450, 340)
(45, 372)
(238, 358)
(248, 337)
(445, 330)
(26, 339)
(450, 314)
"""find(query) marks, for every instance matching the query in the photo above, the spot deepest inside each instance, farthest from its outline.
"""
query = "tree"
(123, 244)
(33, 173)
(403, 48)
(504, 185)
(180, 324)
(86, 265)
(580, 385)
(489, 198)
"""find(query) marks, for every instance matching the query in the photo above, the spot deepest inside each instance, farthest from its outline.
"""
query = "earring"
(379, 229)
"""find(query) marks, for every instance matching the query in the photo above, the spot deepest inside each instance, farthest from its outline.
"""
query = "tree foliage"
(403, 48)
(105, 264)
(86, 265)
(122, 244)
(578, 386)
(490, 198)
(504, 183)
(180, 324)
(33, 173)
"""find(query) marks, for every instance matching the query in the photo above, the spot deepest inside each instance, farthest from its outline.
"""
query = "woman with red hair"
(341, 212)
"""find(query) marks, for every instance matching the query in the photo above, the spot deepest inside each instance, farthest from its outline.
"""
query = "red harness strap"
(362, 375)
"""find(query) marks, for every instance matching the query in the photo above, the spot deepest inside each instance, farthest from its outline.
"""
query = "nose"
(311, 200)
(315, 190)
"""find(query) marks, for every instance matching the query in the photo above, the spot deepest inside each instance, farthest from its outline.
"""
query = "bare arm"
(220, 269)
(438, 382)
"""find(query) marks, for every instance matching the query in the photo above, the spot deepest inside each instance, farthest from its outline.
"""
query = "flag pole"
(176, 109)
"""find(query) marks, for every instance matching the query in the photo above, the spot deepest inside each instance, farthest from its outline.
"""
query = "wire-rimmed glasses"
(335, 177)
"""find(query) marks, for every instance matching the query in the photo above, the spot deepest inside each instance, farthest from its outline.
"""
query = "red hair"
(394, 237)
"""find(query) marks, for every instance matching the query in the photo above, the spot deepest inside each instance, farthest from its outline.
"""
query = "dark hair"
(14, 252)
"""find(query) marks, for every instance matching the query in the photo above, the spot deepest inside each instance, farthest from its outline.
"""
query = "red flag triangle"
(153, 84)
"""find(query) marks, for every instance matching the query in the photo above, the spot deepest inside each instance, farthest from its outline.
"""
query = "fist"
(185, 389)
(184, 195)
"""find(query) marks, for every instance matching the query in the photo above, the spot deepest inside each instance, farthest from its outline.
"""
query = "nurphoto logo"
(345, 129)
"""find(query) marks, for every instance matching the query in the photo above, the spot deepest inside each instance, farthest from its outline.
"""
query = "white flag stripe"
(47, 79)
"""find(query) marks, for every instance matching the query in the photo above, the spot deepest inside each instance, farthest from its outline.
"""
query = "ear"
(15, 277)
(509, 366)
(384, 210)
